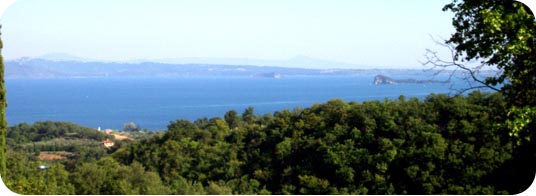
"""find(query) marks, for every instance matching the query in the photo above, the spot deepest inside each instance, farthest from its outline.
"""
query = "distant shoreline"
(41, 68)
(382, 80)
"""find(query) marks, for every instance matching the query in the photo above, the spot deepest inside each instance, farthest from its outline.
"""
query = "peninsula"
(381, 79)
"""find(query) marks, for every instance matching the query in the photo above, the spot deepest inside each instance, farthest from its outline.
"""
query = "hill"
(60, 66)
(56, 138)
(442, 145)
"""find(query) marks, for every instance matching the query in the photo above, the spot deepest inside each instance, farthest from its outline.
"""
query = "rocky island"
(381, 79)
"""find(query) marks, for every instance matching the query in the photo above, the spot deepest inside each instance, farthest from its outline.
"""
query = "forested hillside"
(440, 145)
(52, 137)
(478, 143)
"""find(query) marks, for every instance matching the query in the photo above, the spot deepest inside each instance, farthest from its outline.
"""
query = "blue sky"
(387, 33)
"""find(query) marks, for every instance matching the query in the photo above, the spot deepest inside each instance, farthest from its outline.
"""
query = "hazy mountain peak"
(61, 57)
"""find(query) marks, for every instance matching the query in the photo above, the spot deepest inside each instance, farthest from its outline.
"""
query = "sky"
(383, 34)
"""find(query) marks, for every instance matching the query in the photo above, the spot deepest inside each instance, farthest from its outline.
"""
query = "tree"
(501, 34)
(3, 121)
(248, 116)
(498, 34)
(131, 127)
(231, 117)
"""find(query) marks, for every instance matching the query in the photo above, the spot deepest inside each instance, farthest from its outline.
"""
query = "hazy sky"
(386, 33)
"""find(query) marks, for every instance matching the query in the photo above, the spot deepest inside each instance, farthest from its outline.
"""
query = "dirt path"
(53, 155)
(121, 137)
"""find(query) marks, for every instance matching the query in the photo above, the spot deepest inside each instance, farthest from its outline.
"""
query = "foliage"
(438, 145)
(107, 176)
(24, 177)
(3, 121)
(47, 130)
(56, 136)
(501, 34)
(521, 119)
(131, 127)
(441, 145)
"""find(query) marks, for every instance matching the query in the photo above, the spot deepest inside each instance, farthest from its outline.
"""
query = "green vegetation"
(69, 150)
(3, 121)
(439, 145)
(501, 34)
(481, 143)
(55, 136)
(131, 127)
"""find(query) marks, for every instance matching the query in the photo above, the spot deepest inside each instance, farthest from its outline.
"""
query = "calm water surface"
(153, 103)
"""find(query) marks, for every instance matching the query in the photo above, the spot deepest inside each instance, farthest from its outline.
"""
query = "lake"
(153, 102)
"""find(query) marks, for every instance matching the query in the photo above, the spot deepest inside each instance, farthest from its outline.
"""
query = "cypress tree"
(3, 121)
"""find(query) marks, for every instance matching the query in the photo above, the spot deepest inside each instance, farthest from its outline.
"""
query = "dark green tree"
(439, 145)
(3, 121)
(248, 116)
(232, 119)
(500, 34)
(131, 127)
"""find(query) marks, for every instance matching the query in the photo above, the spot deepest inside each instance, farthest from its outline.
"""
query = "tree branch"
(452, 65)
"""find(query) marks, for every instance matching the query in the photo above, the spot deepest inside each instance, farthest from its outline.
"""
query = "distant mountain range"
(68, 66)
(295, 62)
(63, 57)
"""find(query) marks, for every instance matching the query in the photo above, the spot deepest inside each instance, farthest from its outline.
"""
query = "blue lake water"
(153, 102)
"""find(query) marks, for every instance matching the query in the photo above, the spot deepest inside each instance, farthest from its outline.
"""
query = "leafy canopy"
(501, 34)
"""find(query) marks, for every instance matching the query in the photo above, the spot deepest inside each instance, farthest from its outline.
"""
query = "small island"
(381, 79)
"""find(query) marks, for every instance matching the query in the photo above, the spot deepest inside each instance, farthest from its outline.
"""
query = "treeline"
(442, 145)
(47, 130)
(439, 145)
(56, 136)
